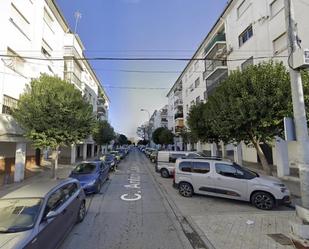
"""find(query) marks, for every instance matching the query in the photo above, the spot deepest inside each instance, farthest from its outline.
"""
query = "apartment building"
(247, 32)
(38, 29)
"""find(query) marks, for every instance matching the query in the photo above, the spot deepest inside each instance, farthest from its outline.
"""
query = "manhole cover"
(281, 239)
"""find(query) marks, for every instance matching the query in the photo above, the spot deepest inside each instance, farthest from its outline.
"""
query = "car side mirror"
(50, 215)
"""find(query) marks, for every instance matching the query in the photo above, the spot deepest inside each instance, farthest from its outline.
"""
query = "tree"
(162, 136)
(166, 137)
(199, 122)
(54, 113)
(122, 139)
(249, 106)
(103, 133)
(156, 135)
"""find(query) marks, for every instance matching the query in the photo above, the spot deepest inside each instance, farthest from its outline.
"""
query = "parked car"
(122, 153)
(229, 180)
(91, 174)
(166, 161)
(154, 156)
(116, 154)
(110, 160)
(40, 215)
(148, 151)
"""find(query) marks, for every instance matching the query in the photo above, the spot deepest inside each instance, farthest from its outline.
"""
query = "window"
(173, 157)
(16, 62)
(19, 21)
(55, 201)
(280, 43)
(185, 166)
(69, 190)
(201, 167)
(275, 7)
(191, 88)
(226, 170)
(48, 19)
(9, 104)
(197, 82)
(198, 100)
(46, 49)
(245, 36)
(247, 63)
(242, 8)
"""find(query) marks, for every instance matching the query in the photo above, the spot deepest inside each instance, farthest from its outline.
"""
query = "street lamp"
(145, 110)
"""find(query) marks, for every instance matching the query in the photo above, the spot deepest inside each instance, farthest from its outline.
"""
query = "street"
(112, 222)
(138, 209)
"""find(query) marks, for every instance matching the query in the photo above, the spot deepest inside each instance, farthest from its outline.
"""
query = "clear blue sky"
(140, 28)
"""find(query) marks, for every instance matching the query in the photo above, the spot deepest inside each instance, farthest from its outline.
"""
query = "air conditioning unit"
(301, 58)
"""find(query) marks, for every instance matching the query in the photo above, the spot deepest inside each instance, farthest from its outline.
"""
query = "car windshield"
(84, 168)
(18, 215)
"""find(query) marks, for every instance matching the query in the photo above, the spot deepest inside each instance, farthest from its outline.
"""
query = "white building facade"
(38, 29)
(247, 32)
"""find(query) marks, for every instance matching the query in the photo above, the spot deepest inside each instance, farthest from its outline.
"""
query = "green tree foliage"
(156, 135)
(122, 139)
(249, 106)
(104, 133)
(162, 136)
(54, 113)
(199, 121)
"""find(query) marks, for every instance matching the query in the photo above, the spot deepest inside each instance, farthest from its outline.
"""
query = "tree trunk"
(265, 165)
(55, 164)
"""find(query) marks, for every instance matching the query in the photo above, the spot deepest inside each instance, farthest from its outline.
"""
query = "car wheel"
(81, 212)
(263, 200)
(98, 188)
(165, 173)
(185, 189)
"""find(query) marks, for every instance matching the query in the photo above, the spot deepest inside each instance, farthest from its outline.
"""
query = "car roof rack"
(206, 158)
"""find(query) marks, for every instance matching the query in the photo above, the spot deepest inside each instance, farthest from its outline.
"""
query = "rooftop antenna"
(77, 16)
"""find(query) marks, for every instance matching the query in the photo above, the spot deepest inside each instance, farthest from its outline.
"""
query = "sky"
(140, 28)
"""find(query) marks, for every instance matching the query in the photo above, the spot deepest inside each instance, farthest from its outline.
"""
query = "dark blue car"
(91, 175)
(110, 160)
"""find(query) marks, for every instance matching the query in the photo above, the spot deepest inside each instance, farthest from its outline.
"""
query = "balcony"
(215, 69)
(101, 100)
(70, 51)
(178, 103)
(72, 78)
(211, 85)
(179, 123)
(178, 115)
(217, 43)
(101, 107)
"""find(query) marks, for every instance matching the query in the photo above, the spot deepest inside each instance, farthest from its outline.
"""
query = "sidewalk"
(44, 173)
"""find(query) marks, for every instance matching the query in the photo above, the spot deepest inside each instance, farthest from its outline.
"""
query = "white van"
(166, 161)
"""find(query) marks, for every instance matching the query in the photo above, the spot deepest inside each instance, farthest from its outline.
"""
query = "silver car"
(39, 215)
(229, 180)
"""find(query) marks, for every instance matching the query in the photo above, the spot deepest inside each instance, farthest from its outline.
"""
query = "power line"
(133, 58)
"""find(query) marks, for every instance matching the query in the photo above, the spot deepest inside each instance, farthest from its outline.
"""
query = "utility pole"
(301, 231)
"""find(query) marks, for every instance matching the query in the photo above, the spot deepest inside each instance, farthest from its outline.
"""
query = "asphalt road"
(130, 213)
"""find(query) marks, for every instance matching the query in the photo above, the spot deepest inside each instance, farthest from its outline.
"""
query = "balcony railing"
(71, 77)
(218, 38)
(216, 64)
